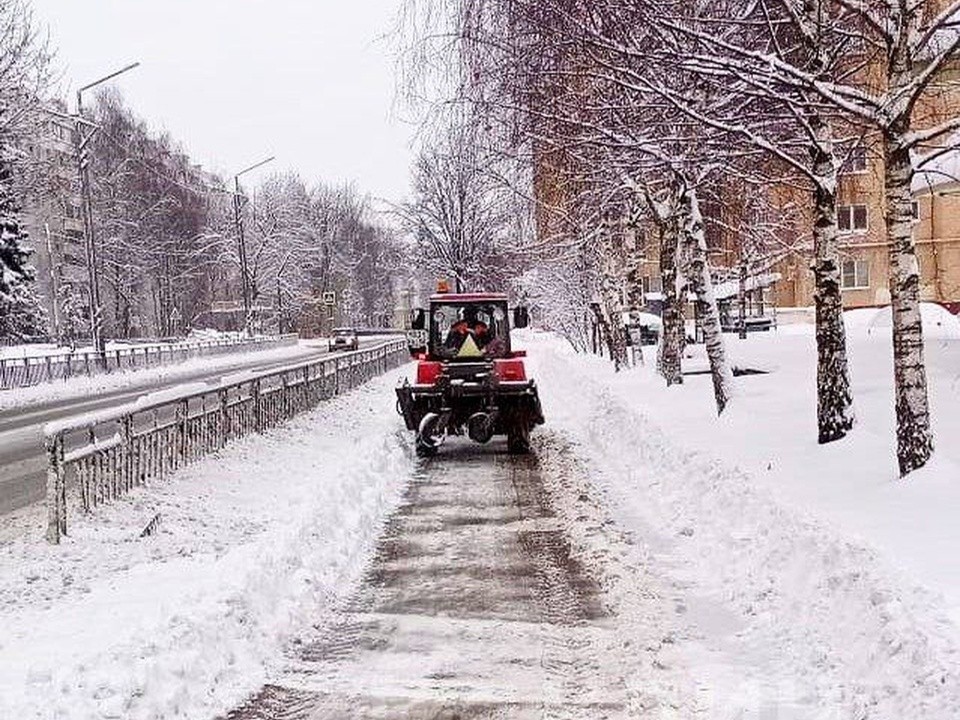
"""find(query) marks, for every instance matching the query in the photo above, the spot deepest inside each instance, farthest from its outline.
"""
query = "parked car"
(344, 339)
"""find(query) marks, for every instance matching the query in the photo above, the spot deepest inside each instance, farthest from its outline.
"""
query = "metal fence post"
(307, 394)
(126, 452)
(257, 408)
(183, 411)
(224, 416)
(56, 490)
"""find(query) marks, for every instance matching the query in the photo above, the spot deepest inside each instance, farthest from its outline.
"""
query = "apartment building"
(52, 217)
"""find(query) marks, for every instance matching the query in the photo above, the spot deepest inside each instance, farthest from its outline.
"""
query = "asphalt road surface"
(472, 608)
(22, 458)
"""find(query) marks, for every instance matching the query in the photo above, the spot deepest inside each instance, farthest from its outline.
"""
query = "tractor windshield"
(469, 331)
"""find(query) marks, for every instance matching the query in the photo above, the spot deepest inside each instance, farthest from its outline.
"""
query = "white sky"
(235, 81)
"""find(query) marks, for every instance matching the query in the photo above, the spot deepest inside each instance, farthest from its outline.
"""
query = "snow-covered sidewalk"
(818, 584)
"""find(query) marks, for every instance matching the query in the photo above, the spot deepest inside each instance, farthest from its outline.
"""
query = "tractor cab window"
(469, 331)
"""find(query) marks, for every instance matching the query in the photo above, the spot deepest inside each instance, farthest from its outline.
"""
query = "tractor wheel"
(518, 438)
(427, 442)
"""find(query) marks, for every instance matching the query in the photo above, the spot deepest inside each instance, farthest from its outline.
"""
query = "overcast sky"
(309, 81)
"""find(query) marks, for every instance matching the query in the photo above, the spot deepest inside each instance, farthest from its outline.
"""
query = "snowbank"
(53, 350)
(255, 546)
(82, 386)
(820, 585)
(938, 322)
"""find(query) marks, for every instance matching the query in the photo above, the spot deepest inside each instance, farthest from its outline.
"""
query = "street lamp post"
(89, 238)
(241, 244)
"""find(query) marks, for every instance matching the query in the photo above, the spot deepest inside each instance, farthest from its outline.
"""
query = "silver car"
(344, 339)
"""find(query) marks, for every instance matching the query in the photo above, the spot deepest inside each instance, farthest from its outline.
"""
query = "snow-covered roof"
(941, 170)
(730, 288)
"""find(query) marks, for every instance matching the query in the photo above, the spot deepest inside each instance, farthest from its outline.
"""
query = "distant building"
(52, 217)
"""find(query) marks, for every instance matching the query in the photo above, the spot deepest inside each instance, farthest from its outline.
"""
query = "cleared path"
(472, 608)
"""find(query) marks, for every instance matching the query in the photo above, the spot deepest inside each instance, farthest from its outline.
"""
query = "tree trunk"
(701, 285)
(671, 342)
(607, 304)
(742, 296)
(914, 437)
(835, 415)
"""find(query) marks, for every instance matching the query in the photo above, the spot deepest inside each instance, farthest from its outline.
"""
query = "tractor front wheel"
(427, 441)
(425, 446)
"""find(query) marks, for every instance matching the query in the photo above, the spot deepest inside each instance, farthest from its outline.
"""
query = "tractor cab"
(464, 328)
(468, 374)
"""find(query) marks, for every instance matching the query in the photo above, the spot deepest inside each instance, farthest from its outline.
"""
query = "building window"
(852, 218)
(856, 161)
(915, 211)
(651, 284)
(855, 274)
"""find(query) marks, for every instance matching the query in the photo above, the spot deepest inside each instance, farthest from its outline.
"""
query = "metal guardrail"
(100, 456)
(37, 369)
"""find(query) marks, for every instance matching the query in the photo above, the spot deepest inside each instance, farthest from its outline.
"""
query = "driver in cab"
(468, 326)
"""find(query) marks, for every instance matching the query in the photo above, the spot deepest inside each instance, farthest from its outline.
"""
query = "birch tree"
(459, 213)
(900, 52)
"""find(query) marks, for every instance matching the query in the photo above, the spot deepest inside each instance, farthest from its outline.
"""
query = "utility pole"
(242, 246)
(89, 236)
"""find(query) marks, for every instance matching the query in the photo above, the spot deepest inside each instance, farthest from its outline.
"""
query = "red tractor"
(469, 379)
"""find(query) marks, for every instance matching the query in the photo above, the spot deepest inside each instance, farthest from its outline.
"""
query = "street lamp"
(89, 239)
(241, 244)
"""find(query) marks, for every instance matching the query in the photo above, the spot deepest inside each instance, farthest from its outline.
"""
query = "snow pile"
(820, 586)
(938, 322)
(254, 547)
(83, 386)
(211, 335)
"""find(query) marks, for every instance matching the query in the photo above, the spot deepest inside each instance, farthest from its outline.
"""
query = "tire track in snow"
(475, 606)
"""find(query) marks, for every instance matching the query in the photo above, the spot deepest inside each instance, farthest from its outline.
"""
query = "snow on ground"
(778, 577)
(52, 349)
(83, 386)
(821, 586)
(255, 545)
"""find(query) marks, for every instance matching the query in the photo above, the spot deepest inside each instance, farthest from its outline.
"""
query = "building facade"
(53, 220)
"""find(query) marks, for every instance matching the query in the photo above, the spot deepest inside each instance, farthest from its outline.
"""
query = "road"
(22, 459)
(472, 608)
